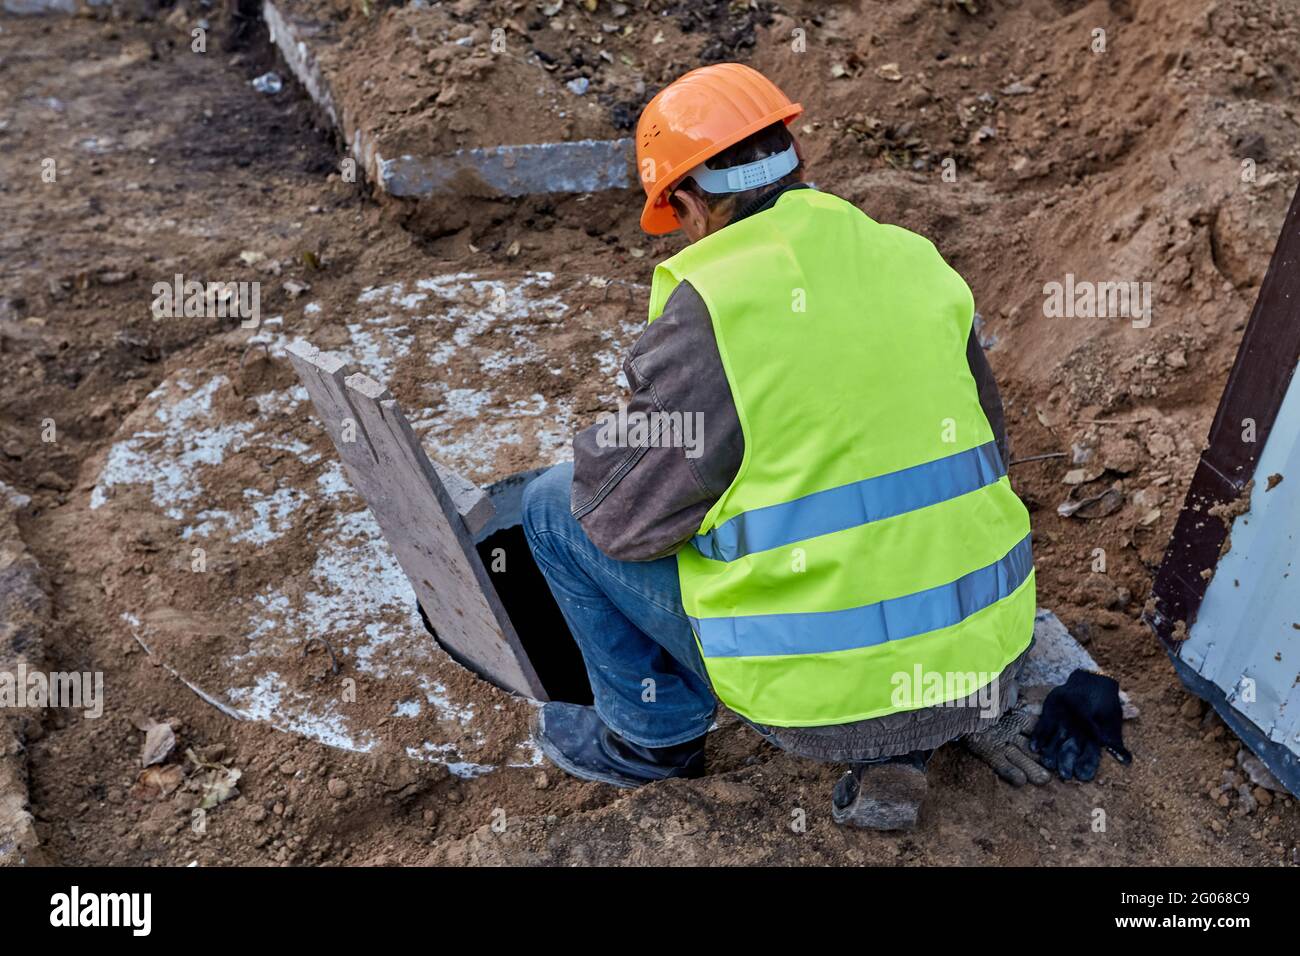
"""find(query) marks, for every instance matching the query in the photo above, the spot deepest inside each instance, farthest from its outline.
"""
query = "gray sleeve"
(990, 398)
(643, 499)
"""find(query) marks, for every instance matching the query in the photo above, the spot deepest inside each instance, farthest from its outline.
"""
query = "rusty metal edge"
(1260, 376)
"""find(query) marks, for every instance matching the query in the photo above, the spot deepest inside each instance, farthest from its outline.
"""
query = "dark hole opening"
(535, 615)
(527, 600)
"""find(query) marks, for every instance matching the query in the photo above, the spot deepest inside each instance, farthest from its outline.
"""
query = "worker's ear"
(693, 213)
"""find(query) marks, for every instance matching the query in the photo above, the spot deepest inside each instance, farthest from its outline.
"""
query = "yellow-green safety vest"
(870, 556)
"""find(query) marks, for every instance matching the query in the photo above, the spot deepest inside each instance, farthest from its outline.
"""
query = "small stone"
(1258, 774)
(1246, 802)
(541, 781)
(338, 789)
(49, 479)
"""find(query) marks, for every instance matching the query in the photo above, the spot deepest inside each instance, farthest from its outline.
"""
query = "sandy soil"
(1115, 166)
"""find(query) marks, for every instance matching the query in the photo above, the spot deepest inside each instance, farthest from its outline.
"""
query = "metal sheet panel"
(1229, 618)
(1246, 636)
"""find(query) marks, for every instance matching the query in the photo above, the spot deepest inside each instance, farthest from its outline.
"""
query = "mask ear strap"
(737, 179)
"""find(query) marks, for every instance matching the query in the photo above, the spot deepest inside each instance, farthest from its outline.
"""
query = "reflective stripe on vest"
(823, 632)
(835, 509)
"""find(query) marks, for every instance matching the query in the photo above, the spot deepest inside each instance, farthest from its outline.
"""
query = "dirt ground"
(1170, 158)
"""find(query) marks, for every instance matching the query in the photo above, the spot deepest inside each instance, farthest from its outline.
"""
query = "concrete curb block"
(291, 42)
(515, 170)
(581, 167)
(41, 7)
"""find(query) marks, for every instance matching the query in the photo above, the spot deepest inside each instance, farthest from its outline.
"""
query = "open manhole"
(230, 470)
(526, 596)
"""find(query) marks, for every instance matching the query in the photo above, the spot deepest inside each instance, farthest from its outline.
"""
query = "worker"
(837, 554)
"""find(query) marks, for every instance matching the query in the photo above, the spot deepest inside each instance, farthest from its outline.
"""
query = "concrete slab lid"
(421, 523)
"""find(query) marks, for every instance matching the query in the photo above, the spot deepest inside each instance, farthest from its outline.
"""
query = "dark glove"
(1005, 748)
(1079, 718)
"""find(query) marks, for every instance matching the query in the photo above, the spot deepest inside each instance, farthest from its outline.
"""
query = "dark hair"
(768, 141)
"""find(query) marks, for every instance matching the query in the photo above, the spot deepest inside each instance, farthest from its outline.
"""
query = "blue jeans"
(647, 677)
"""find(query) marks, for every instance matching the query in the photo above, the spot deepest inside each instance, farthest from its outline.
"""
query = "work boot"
(881, 796)
(577, 741)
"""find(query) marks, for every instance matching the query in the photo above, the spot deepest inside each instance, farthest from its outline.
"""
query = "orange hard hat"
(693, 119)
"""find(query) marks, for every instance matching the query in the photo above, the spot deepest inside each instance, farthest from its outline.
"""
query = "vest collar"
(765, 201)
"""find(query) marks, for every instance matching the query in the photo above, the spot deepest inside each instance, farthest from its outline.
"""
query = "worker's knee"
(545, 503)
